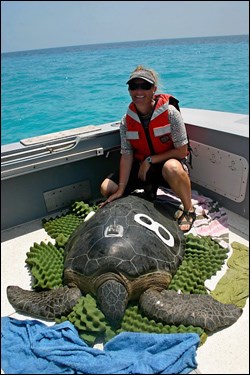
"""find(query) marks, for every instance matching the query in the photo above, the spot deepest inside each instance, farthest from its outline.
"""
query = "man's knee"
(108, 187)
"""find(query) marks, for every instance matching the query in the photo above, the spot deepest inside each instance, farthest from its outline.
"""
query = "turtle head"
(112, 297)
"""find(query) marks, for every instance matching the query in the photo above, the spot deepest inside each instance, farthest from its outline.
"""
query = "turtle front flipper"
(200, 310)
(49, 304)
(112, 297)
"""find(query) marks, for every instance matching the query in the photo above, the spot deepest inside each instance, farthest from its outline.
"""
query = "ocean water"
(49, 90)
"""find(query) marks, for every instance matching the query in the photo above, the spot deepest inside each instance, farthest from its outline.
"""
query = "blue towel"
(31, 347)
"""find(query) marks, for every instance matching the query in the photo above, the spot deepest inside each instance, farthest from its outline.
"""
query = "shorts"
(154, 178)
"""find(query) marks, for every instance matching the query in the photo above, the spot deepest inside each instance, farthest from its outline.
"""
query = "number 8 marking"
(154, 226)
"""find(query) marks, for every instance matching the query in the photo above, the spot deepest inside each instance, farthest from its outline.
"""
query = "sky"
(28, 25)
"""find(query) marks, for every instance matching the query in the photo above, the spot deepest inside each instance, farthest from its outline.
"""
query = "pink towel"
(211, 218)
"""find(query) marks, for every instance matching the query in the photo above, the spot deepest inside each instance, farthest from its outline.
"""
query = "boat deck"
(224, 352)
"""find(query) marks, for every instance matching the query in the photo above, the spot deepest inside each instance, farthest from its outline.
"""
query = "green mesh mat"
(203, 258)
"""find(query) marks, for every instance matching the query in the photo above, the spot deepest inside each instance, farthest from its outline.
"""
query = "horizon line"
(121, 42)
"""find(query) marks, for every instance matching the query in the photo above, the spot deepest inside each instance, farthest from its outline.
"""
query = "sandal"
(186, 218)
(179, 212)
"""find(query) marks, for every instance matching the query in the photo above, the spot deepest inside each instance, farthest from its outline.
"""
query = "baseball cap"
(143, 74)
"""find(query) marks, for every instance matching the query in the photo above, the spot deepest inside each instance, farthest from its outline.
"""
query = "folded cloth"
(31, 347)
(233, 287)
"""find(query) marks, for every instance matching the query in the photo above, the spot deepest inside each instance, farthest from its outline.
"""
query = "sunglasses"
(143, 86)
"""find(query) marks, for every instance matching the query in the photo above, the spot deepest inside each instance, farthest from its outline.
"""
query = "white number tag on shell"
(154, 226)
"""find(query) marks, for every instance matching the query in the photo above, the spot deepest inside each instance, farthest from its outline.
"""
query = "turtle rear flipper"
(199, 310)
(112, 299)
(49, 304)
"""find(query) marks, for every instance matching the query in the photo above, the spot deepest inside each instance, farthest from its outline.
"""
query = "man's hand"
(111, 198)
(144, 167)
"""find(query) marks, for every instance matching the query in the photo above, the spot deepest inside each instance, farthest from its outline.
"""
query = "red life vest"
(159, 129)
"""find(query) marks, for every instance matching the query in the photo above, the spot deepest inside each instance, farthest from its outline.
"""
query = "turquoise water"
(45, 91)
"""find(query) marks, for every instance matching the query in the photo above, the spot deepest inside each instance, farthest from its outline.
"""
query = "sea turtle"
(127, 251)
